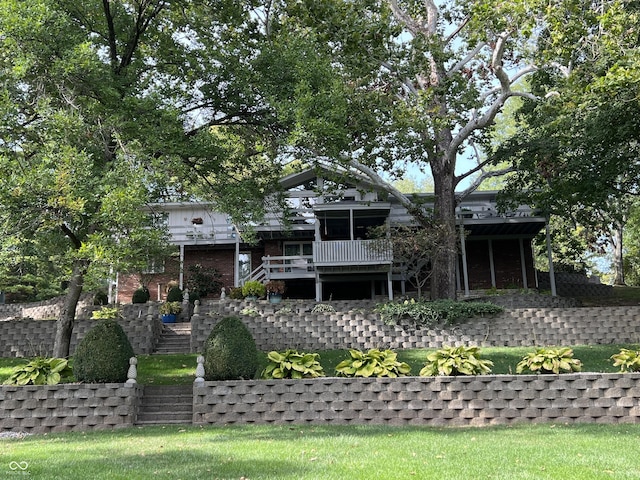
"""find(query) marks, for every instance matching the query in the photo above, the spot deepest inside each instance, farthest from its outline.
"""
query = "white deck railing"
(352, 252)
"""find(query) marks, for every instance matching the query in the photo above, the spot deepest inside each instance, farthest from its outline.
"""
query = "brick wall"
(434, 401)
(68, 407)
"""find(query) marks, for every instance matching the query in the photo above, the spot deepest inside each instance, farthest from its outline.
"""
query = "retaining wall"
(67, 407)
(436, 401)
(27, 337)
(273, 330)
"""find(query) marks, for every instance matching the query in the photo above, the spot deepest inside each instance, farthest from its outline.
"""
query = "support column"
(465, 273)
(552, 274)
(492, 265)
(390, 284)
(523, 265)
(181, 274)
(236, 268)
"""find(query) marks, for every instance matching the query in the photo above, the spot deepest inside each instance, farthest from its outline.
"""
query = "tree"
(414, 250)
(108, 106)
(576, 153)
(371, 86)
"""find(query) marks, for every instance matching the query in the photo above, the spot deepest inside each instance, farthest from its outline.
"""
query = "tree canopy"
(106, 107)
(576, 152)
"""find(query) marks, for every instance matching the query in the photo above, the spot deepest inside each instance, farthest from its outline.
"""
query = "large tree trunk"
(618, 258)
(64, 324)
(443, 279)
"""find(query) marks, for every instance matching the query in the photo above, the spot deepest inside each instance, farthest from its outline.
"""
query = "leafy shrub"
(253, 288)
(236, 293)
(292, 364)
(174, 295)
(170, 308)
(456, 361)
(374, 363)
(250, 312)
(141, 295)
(323, 308)
(100, 298)
(102, 356)
(549, 360)
(106, 313)
(230, 351)
(627, 360)
(425, 313)
(202, 281)
(40, 371)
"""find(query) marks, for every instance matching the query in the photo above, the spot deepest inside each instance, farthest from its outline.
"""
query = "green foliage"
(549, 360)
(374, 363)
(174, 295)
(456, 361)
(425, 313)
(253, 288)
(170, 308)
(100, 298)
(292, 364)
(628, 360)
(275, 286)
(141, 295)
(236, 293)
(323, 308)
(201, 281)
(230, 351)
(102, 356)
(40, 371)
(105, 313)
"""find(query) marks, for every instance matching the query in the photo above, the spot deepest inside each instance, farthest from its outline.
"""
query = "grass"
(180, 369)
(330, 452)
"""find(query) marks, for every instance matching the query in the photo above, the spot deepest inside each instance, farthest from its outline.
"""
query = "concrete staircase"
(166, 405)
(175, 338)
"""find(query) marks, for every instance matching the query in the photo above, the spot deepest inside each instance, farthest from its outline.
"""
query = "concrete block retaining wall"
(437, 401)
(68, 407)
(516, 327)
(27, 337)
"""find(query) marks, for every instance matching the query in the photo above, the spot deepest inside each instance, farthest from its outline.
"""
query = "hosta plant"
(456, 361)
(374, 363)
(292, 364)
(627, 360)
(549, 360)
(40, 371)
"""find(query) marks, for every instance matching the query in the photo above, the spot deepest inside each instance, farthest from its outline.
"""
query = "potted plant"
(169, 311)
(275, 289)
(253, 289)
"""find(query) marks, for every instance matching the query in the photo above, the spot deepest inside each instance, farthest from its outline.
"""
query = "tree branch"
(478, 181)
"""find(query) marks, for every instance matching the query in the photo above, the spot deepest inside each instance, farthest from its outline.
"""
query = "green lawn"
(582, 452)
(180, 369)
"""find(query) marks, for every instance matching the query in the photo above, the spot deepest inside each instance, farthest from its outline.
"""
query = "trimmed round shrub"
(230, 352)
(100, 298)
(174, 295)
(102, 356)
(141, 295)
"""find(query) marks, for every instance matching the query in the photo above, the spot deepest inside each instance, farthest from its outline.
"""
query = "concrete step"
(166, 404)
(175, 338)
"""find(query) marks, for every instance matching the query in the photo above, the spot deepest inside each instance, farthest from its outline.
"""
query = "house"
(324, 251)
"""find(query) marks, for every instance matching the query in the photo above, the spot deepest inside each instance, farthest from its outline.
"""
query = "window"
(244, 267)
(298, 249)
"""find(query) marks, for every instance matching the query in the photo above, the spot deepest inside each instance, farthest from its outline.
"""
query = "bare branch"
(470, 56)
(478, 181)
(413, 26)
(457, 30)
